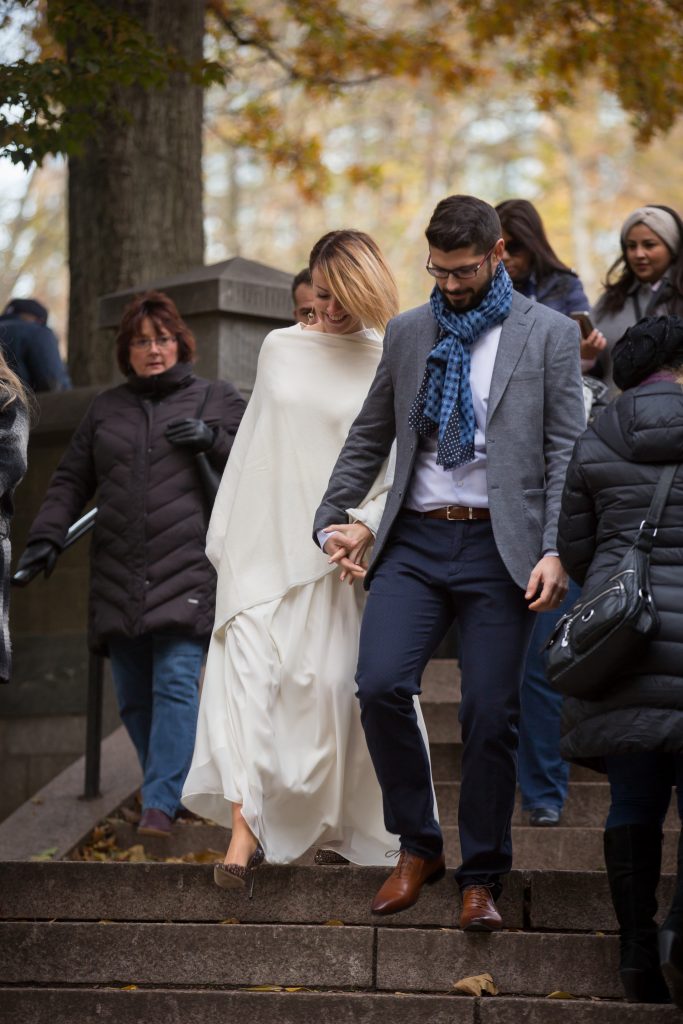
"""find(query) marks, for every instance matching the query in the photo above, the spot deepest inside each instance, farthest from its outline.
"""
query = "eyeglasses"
(513, 248)
(460, 273)
(162, 342)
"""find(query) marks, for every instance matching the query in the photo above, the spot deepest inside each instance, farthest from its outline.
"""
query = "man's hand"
(547, 584)
(347, 546)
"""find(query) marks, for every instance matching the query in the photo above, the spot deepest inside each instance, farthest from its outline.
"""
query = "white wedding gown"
(279, 725)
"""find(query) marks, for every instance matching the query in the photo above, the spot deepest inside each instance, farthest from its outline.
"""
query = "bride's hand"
(347, 546)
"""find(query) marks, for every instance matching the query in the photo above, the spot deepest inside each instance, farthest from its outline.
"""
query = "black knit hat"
(16, 306)
(653, 342)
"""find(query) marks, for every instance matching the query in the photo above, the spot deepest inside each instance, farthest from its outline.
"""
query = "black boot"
(633, 857)
(671, 937)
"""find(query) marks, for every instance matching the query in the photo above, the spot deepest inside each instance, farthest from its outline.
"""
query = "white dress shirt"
(433, 486)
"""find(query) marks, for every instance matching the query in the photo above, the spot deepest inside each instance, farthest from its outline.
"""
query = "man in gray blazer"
(481, 388)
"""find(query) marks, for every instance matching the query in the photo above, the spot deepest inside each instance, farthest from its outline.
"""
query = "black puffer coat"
(149, 573)
(610, 482)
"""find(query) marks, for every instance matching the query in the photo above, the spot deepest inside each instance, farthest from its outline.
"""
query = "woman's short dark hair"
(459, 222)
(620, 278)
(163, 313)
(522, 222)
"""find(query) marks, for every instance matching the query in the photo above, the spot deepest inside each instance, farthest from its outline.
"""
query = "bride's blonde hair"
(11, 387)
(357, 275)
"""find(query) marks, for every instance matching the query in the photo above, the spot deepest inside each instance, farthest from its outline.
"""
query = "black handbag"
(612, 623)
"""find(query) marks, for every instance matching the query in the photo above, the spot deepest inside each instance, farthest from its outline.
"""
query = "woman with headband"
(646, 279)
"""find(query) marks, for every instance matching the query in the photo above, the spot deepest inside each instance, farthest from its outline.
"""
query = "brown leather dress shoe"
(479, 912)
(403, 885)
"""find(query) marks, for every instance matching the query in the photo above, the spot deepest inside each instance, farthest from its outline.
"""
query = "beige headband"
(659, 221)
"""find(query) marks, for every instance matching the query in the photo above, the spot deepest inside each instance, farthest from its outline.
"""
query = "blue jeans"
(543, 775)
(157, 686)
(640, 787)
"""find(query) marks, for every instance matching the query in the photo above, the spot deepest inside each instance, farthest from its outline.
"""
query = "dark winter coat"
(149, 573)
(13, 444)
(561, 290)
(610, 482)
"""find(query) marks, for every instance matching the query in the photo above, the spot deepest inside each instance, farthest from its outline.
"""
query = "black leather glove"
(39, 556)
(196, 435)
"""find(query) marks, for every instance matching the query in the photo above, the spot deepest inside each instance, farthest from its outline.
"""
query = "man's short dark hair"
(303, 277)
(459, 222)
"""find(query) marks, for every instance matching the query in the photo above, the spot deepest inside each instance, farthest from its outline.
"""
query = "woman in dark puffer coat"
(635, 733)
(152, 588)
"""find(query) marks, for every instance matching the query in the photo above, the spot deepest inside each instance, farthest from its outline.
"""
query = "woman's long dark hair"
(522, 221)
(617, 288)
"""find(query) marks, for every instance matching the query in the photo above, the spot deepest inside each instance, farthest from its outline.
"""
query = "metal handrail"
(93, 729)
(23, 577)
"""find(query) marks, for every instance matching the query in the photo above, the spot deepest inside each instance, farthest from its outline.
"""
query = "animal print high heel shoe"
(236, 876)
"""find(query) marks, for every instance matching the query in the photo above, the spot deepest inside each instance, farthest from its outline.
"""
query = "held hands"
(547, 584)
(196, 435)
(347, 546)
(593, 344)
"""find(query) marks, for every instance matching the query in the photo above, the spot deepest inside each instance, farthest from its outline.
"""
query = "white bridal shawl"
(309, 388)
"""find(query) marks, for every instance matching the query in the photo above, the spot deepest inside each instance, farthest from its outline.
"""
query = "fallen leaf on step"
(134, 854)
(230, 920)
(559, 994)
(129, 988)
(477, 985)
(203, 857)
(47, 854)
(333, 922)
(262, 988)
(297, 988)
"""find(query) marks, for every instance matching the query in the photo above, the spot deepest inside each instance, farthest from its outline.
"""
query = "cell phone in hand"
(583, 319)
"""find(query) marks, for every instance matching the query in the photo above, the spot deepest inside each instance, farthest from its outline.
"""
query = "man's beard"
(469, 298)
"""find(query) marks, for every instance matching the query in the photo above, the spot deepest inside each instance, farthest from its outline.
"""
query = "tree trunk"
(135, 193)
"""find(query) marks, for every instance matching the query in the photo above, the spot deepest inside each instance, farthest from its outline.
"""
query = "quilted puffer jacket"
(609, 485)
(149, 573)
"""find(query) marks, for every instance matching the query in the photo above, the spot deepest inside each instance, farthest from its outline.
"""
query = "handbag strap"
(648, 527)
(204, 400)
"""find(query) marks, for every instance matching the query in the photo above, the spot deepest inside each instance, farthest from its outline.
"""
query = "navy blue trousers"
(431, 572)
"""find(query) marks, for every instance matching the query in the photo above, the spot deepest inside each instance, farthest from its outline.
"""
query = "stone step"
(586, 807)
(326, 956)
(161, 1006)
(446, 759)
(431, 960)
(557, 848)
(68, 891)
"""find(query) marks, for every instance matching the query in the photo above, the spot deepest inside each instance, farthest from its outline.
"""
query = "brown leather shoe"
(403, 885)
(479, 912)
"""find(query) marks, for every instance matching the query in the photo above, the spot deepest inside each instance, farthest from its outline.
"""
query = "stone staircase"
(156, 941)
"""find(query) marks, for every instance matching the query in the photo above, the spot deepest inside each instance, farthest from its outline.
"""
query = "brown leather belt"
(451, 512)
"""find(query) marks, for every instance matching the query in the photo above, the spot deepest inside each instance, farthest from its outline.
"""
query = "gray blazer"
(535, 413)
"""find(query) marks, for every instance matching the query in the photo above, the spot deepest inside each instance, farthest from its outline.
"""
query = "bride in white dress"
(280, 755)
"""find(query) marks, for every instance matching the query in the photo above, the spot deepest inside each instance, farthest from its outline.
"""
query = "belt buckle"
(449, 517)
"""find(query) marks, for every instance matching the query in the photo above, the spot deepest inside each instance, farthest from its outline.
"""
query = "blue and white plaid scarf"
(444, 400)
